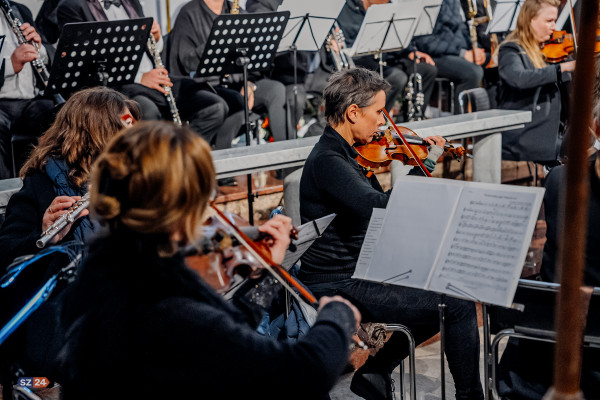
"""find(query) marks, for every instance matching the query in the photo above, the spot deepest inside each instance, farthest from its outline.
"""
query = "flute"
(64, 220)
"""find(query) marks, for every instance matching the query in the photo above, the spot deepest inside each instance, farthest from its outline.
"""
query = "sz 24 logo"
(33, 382)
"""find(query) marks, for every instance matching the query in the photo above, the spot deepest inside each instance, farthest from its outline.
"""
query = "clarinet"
(39, 69)
(64, 220)
(169, 95)
(415, 98)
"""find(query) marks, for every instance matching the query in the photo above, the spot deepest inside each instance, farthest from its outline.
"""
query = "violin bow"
(412, 153)
(265, 260)
(275, 269)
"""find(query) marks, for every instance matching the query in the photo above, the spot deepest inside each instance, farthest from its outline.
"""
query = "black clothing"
(325, 193)
(333, 182)
(450, 34)
(141, 318)
(205, 110)
(524, 87)
(525, 370)
(24, 213)
(553, 212)
(189, 35)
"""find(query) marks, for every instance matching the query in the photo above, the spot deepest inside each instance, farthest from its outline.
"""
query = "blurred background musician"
(354, 102)
(134, 291)
(452, 51)
(526, 366)
(204, 110)
(56, 173)
(22, 110)
(399, 66)
(283, 66)
(529, 83)
(186, 45)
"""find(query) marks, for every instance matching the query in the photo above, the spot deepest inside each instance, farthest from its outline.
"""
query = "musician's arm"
(23, 224)
(339, 181)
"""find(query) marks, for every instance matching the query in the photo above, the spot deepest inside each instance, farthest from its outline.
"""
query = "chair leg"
(14, 163)
(411, 356)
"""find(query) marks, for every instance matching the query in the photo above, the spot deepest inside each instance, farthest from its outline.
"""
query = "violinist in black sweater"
(333, 182)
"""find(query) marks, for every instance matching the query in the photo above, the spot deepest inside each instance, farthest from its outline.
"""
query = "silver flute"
(67, 218)
(39, 69)
(169, 95)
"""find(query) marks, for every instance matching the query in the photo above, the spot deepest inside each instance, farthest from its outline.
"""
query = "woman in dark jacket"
(528, 83)
(55, 175)
(143, 325)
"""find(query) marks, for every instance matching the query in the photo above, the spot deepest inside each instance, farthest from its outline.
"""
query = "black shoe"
(231, 181)
(372, 385)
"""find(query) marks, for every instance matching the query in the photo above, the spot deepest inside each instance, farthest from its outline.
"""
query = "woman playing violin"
(333, 182)
(143, 325)
(528, 83)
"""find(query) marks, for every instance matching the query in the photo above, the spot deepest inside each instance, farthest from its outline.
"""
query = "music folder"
(464, 239)
(307, 234)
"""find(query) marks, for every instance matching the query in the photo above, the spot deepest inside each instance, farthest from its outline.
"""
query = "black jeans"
(26, 117)
(418, 310)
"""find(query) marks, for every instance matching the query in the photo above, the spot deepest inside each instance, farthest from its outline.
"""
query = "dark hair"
(351, 86)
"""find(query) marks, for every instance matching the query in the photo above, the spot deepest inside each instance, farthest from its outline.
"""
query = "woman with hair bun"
(142, 321)
(56, 173)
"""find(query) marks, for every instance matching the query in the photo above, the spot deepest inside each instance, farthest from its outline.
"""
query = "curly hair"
(154, 178)
(83, 126)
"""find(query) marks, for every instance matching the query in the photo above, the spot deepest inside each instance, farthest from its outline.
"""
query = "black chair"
(531, 318)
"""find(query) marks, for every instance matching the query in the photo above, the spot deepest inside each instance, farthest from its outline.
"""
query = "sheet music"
(505, 16)
(310, 35)
(483, 255)
(465, 239)
(368, 248)
(386, 27)
(413, 231)
(430, 10)
(307, 234)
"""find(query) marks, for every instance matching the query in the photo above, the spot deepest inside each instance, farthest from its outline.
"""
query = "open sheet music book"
(307, 234)
(464, 239)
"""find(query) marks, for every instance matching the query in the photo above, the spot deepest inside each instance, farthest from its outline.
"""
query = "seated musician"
(529, 83)
(333, 182)
(398, 65)
(56, 174)
(452, 50)
(526, 366)
(206, 112)
(147, 323)
(187, 42)
(22, 110)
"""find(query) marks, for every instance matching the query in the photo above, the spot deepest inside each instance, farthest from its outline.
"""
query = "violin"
(384, 148)
(221, 259)
(560, 46)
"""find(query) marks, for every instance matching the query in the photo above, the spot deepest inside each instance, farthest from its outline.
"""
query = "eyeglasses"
(127, 120)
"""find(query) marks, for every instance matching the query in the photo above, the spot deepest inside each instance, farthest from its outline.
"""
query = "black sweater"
(151, 326)
(333, 182)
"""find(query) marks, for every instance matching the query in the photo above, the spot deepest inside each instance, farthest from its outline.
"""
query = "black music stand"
(2, 37)
(242, 43)
(506, 13)
(106, 53)
(307, 31)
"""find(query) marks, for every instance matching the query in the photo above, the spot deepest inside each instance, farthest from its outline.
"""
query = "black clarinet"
(39, 69)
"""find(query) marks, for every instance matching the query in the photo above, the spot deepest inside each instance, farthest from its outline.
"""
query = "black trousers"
(25, 117)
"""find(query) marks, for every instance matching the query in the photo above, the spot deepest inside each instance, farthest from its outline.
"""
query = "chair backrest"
(472, 100)
(534, 310)
(291, 196)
